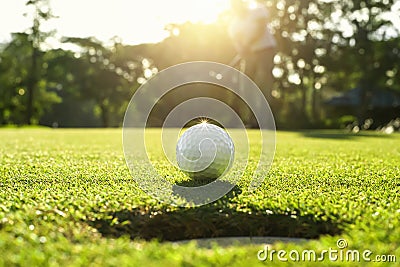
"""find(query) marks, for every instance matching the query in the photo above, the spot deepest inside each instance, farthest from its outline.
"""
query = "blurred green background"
(337, 63)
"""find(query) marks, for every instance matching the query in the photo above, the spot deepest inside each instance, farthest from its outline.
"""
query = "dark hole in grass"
(210, 221)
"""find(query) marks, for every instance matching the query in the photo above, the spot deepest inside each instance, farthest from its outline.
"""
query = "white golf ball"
(205, 151)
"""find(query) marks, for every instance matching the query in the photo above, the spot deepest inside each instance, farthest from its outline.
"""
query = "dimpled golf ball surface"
(205, 151)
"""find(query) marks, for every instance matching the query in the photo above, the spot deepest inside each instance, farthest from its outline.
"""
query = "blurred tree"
(15, 79)
(324, 46)
(331, 44)
(299, 70)
(188, 42)
(364, 46)
(41, 12)
(107, 76)
(64, 79)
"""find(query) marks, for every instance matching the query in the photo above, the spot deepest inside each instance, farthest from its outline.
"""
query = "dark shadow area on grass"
(214, 220)
(343, 135)
(195, 183)
(199, 192)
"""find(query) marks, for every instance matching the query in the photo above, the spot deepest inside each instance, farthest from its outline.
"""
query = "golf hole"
(211, 221)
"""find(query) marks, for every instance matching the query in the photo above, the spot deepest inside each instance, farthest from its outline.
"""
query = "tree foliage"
(324, 47)
(16, 79)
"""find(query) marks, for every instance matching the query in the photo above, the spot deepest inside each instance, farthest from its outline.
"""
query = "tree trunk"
(364, 103)
(314, 104)
(31, 85)
(105, 119)
(304, 101)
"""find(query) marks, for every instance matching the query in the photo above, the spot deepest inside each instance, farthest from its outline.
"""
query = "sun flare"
(133, 21)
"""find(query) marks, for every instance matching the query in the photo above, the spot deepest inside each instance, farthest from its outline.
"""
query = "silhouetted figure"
(254, 43)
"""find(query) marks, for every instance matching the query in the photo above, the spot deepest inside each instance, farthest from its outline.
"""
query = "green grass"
(67, 198)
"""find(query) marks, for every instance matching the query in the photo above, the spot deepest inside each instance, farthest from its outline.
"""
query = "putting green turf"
(67, 198)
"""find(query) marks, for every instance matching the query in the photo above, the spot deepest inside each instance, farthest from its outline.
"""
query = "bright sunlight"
(133, 21)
